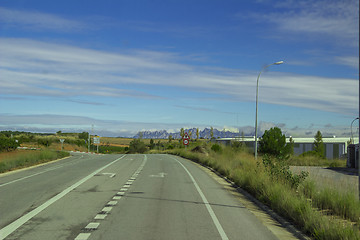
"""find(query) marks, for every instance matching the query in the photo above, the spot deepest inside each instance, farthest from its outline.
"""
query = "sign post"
(62, 142)
(186, 139)
(97, 142)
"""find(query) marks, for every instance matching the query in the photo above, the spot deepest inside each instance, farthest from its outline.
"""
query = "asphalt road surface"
(122, 197)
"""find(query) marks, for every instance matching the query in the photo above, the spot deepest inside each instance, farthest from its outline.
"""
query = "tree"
(152, 144)
(137, 146)
(182, 132)
(319, 147)
(212, 133)
(273, 142)
(84, 135)
(197, 134)
(170, 138)
(8, 144)
(290, 146)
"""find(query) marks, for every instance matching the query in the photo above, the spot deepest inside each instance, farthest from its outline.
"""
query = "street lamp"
(257, 97)
(352, 136)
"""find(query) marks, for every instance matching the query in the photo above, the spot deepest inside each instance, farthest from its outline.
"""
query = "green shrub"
(216, 148)
(137, 146)
(280, 170)
(112, 149)
(8, 144)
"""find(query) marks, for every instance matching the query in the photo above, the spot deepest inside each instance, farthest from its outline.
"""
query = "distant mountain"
(163, 134)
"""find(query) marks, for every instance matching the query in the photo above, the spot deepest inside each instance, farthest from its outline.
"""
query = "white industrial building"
(334, 147)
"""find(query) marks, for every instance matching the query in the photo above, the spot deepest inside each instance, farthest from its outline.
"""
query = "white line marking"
(116, 198)
(159, 175)
(206, 202)
(106, 209)
(92, 226)
(6, 231)
(112, 203)
(120, 193)
(83, 236)
(100, 217)
(127, 186)
(123, 189)
(111, 174)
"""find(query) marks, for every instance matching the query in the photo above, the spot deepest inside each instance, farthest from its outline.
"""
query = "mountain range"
(206, 133)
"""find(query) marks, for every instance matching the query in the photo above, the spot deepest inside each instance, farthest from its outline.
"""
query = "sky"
(120, 67)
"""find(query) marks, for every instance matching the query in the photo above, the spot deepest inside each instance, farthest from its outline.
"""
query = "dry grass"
(125, 142)
(250, 174)
(25, 158)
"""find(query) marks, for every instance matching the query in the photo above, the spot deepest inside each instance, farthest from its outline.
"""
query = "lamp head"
(279, 62)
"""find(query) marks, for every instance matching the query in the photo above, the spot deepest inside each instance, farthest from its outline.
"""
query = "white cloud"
(38, 21)
(350, 61)
(33, 68)
(337, 21)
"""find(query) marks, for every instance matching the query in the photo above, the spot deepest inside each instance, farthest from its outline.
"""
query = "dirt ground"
(343, 179)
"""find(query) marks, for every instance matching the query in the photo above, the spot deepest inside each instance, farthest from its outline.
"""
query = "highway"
(147, 197)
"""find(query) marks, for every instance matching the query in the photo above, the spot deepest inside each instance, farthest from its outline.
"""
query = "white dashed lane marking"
(112, 203)
(100, 217)
(83, 236)
(106, 209)
(92, 226)
(109, 206)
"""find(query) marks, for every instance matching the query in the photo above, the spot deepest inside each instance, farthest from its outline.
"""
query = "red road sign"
(186, 139)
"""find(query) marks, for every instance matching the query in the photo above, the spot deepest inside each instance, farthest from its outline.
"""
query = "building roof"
(298, 140)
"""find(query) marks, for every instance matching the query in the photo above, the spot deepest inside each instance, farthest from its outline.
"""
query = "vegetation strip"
(30, 158)
(282, 196)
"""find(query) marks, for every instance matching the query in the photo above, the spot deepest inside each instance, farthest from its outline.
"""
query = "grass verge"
(302, 207)
(29, 158)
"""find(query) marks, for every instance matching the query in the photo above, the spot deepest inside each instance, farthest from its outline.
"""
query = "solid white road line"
(206, 202)
(6, 231)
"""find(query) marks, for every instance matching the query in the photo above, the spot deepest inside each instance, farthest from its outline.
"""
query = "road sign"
(186, 139)
(96, 140)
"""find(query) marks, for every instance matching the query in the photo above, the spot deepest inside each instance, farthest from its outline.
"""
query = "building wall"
(332, 149)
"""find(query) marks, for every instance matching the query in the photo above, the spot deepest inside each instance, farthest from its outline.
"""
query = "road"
(122, 197)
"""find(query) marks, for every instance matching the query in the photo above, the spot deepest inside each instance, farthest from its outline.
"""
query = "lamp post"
(257, 97)
(352, 136)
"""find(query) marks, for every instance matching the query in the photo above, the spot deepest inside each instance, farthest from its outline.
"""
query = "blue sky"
(128, 66)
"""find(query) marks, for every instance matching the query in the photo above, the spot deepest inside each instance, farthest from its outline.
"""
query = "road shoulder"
(281, 228)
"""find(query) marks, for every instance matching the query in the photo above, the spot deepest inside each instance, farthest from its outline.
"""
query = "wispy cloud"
(38, 21)
(325, 21)
(69, 123)
(350, 61)
(338, 19)
(34, 68)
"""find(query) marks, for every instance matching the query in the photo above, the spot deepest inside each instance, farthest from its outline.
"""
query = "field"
(24, 158)
(125, 142)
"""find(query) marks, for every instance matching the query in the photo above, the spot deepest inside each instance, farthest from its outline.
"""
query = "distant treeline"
(10, 140)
